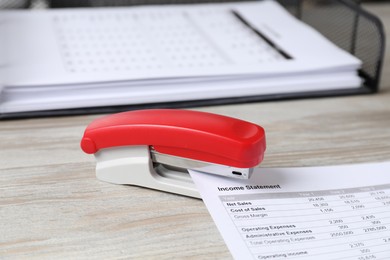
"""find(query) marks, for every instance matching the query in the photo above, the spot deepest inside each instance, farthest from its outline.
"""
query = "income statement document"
(333, 212)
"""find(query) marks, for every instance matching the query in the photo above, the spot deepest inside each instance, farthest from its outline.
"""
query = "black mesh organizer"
(343, 22)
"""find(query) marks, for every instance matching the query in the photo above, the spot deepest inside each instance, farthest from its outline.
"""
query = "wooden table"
(51, 204)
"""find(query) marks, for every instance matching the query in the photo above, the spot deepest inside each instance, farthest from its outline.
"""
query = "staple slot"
(237, 173)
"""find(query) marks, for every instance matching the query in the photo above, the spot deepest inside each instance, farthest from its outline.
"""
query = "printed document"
(72, 58)
(333, 212)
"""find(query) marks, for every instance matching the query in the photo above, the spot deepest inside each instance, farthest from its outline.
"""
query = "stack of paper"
(59, 59)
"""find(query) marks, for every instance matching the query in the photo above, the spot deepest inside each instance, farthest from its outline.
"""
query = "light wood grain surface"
(52, 206)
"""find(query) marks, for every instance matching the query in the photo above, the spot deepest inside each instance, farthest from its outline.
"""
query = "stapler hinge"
(133, 165)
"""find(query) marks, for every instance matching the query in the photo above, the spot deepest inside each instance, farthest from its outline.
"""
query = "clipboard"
(358, 32)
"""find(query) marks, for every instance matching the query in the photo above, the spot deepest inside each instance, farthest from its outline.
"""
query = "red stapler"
(154, 148)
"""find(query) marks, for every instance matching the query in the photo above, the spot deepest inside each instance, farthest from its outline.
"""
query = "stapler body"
(154, 148)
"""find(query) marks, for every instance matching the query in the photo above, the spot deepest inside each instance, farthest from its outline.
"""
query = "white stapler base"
(133, 165)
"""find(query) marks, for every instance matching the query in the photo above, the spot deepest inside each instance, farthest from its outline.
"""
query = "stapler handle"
(190, 134)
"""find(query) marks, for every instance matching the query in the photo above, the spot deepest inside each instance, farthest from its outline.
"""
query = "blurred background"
(14, 4)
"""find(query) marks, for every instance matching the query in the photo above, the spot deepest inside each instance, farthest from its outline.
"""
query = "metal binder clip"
(154, 148)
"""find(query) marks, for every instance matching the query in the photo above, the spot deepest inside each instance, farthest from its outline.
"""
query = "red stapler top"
(187, 134)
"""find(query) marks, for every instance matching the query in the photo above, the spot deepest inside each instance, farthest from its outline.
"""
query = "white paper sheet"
(335, 212)
(111, 44)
